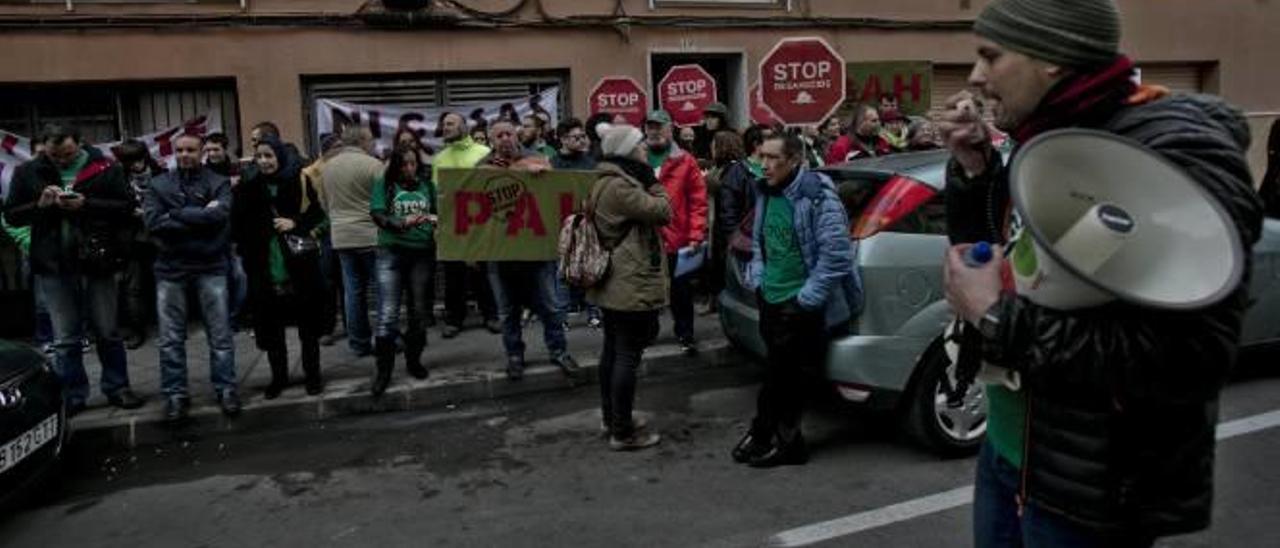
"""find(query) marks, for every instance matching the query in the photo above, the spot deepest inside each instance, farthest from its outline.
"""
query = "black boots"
(414, 344)
(311, 367)
(753, 444)
(279, 360)
(787, 447)
(384, 351)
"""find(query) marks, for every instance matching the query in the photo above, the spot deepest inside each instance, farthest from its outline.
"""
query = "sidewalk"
(468, 367)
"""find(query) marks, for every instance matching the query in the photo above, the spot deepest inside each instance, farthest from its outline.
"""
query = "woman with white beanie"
(629, 205)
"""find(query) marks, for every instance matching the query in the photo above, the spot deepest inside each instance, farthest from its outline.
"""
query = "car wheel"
(931, 421)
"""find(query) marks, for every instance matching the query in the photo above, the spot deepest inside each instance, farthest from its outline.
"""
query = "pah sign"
(802, 81)
(620, 96)
(684, 92)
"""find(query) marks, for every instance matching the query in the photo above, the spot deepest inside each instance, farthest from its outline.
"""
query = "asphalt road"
(533, 471)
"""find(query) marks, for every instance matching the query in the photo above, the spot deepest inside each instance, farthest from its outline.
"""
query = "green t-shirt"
(657, 158)
(784, 269)
(405, 203)
(69, 174)
(1006, 422)
(275, 255)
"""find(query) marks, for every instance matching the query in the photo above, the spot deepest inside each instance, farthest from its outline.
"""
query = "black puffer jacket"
(1123, 400)
(736, 198)
(107, 213)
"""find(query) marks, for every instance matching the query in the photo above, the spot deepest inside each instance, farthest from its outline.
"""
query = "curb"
(347, 397)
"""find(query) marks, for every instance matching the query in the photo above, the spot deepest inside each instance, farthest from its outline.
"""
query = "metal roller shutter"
(155, 108)
(947, 81)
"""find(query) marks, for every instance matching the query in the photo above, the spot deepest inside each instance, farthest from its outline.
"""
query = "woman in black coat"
(283, 289)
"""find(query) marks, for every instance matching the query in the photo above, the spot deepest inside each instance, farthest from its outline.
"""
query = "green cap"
(716, 108)
(658, 117)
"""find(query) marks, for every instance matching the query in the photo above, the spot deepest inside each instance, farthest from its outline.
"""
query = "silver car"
(893, 358)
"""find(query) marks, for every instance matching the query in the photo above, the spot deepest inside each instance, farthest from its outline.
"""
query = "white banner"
(16, 149)
(384, 120)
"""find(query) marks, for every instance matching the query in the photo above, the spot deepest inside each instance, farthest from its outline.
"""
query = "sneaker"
(176, 409)
(688, 346)
(594, 323)
(569, 366)
(125, 399)
(229, 401)
(450, 331)
(328, 340)
(515, 368)
(751, 446)
(639, 439)
(493, 325)
(638, 422)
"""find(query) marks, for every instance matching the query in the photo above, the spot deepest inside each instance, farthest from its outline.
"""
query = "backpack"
(584, 261)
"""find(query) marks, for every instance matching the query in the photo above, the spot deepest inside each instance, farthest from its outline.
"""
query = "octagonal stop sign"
(684, 92)
(802, 81)
(620, 95)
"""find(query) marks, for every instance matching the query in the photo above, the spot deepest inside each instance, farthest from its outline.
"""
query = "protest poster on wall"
(385, 120)
(16, 149)
(490, 214)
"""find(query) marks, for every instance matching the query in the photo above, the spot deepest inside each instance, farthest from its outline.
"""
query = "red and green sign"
(492, 214)
(909, 81)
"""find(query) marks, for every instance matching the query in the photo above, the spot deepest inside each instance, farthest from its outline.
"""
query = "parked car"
(33, 419)
(893, 358)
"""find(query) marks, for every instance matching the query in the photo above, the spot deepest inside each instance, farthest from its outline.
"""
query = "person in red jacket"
(863, 139)
(679, 174)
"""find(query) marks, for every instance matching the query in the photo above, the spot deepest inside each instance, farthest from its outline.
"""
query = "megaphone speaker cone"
(1104, 218)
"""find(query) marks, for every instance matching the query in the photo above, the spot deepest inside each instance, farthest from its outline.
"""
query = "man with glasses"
(575, 147)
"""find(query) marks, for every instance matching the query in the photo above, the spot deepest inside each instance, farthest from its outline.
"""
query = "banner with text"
(505, 215)
(16, 149)
(910, 81)
(385, 120)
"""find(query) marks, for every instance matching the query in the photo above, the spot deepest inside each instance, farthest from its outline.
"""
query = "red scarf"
(1084, 96)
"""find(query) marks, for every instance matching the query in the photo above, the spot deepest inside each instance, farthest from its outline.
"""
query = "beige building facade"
(126, 68)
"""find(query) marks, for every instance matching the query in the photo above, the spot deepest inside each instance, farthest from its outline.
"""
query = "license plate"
(28, 442)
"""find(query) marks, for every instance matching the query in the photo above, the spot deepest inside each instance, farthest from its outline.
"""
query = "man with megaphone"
(1101, 432)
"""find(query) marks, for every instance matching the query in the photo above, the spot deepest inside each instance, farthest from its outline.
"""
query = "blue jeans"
(67, 297)
(44, 324)
(410, 272)
(996, 523)
(520, 285)
(573, 298)
(359, 278)
(171, 308)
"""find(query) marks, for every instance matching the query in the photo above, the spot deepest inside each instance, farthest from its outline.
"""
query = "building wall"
(268, 61)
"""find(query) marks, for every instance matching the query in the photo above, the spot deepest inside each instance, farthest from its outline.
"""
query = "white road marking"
(955, 498)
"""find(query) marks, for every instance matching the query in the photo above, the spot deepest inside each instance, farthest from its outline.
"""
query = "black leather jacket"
(1123, 400)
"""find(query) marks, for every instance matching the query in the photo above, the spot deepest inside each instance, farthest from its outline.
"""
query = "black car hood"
(17, 358)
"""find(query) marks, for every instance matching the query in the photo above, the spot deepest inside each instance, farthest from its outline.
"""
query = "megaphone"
(1099, 218)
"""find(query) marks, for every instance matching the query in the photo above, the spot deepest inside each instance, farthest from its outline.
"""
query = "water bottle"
(978, 255)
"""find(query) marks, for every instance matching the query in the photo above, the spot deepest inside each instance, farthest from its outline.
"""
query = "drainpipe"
(70, 6)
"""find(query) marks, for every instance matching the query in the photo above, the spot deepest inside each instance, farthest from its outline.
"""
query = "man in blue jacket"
(803, 273)
(188, 212)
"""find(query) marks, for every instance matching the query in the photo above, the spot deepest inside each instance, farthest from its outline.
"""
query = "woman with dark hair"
(728, 175)
(403, 205)
(137, 280)
(285, 285)
(592, 127)
(407, 137)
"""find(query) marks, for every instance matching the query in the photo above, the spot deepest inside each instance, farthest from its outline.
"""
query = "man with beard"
(1108, 437)
(532, 129)
(460, 151)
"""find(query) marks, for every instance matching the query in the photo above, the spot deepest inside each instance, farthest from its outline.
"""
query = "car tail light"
(899, 196)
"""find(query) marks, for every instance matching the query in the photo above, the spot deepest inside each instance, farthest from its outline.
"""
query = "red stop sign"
(802, 81)
(684, 92)
(619, 95)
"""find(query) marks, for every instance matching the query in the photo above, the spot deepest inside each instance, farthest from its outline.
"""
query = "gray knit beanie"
(1070, 33)
(619, 140)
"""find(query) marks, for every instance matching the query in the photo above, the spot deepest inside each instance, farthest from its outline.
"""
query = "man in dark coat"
(78, 205)
(1108, 439)
(188, 213)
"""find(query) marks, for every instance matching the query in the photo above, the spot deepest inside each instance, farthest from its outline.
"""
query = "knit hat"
(619, 140)
(1069, 33)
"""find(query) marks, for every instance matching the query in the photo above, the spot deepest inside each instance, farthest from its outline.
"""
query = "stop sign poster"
(802, 81)
(620, 95)
(684, 92)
